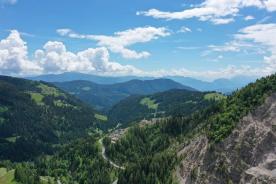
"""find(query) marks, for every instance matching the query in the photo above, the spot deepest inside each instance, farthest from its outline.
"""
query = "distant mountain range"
(220, 85)
(71, 76)
(104, 96)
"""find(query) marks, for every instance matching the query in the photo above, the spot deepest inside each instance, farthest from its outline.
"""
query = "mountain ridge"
(174, 102)
(220, 85)
(105, 96)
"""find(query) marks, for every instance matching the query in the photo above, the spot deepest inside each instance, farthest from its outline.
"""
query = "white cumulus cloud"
(119, 42)
(262, 34)
(270, 5)
(54, 58)
(13, 56)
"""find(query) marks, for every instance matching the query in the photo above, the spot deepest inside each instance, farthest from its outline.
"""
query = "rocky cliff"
(248, 155)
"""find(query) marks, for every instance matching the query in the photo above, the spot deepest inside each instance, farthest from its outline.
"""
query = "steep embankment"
(247, 155)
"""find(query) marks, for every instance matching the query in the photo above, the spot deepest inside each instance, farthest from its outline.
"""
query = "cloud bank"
(217, 12)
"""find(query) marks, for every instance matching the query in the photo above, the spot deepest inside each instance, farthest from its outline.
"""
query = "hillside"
(103, 97)
(174, 102)
(232, 141)
(35, 116)
(247, 155)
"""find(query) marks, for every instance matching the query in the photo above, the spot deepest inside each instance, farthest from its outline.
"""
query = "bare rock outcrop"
(248, 155)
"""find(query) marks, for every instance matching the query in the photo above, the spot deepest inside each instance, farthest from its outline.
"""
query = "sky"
(205, 39)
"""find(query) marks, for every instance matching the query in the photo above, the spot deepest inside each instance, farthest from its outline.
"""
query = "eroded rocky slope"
(248, 155)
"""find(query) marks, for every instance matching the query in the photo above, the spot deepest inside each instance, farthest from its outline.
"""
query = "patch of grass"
(87, 88)
(101, 117)
(12, 139)
(37, 97)
(46, 90)
(149, 103)
(7, 177)
(214, 96)
(3, 171)
(46, 180)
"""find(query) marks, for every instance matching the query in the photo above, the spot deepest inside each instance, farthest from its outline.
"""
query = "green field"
(37, 97)
(149, 103)
(101, 117)
(214, 96)
(7, 177)
(46, 90)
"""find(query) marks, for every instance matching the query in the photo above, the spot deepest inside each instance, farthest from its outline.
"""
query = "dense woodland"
(148, 152)
(77, 162)
(80, 161)
(175, 103)
(35, 116)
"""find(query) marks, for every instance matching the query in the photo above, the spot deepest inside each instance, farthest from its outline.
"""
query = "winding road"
(110, 161)
(106, 158)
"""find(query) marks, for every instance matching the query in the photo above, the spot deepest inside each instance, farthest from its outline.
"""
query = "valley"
(138, 92)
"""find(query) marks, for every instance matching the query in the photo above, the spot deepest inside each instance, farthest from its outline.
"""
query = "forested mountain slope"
(103, 97)
(175, 102)
(34, 116)
(232, 141)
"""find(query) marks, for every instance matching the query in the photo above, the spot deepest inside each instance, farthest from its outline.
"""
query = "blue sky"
(204, 39)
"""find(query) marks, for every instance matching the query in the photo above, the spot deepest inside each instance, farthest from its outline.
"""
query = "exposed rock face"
(247, 156)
